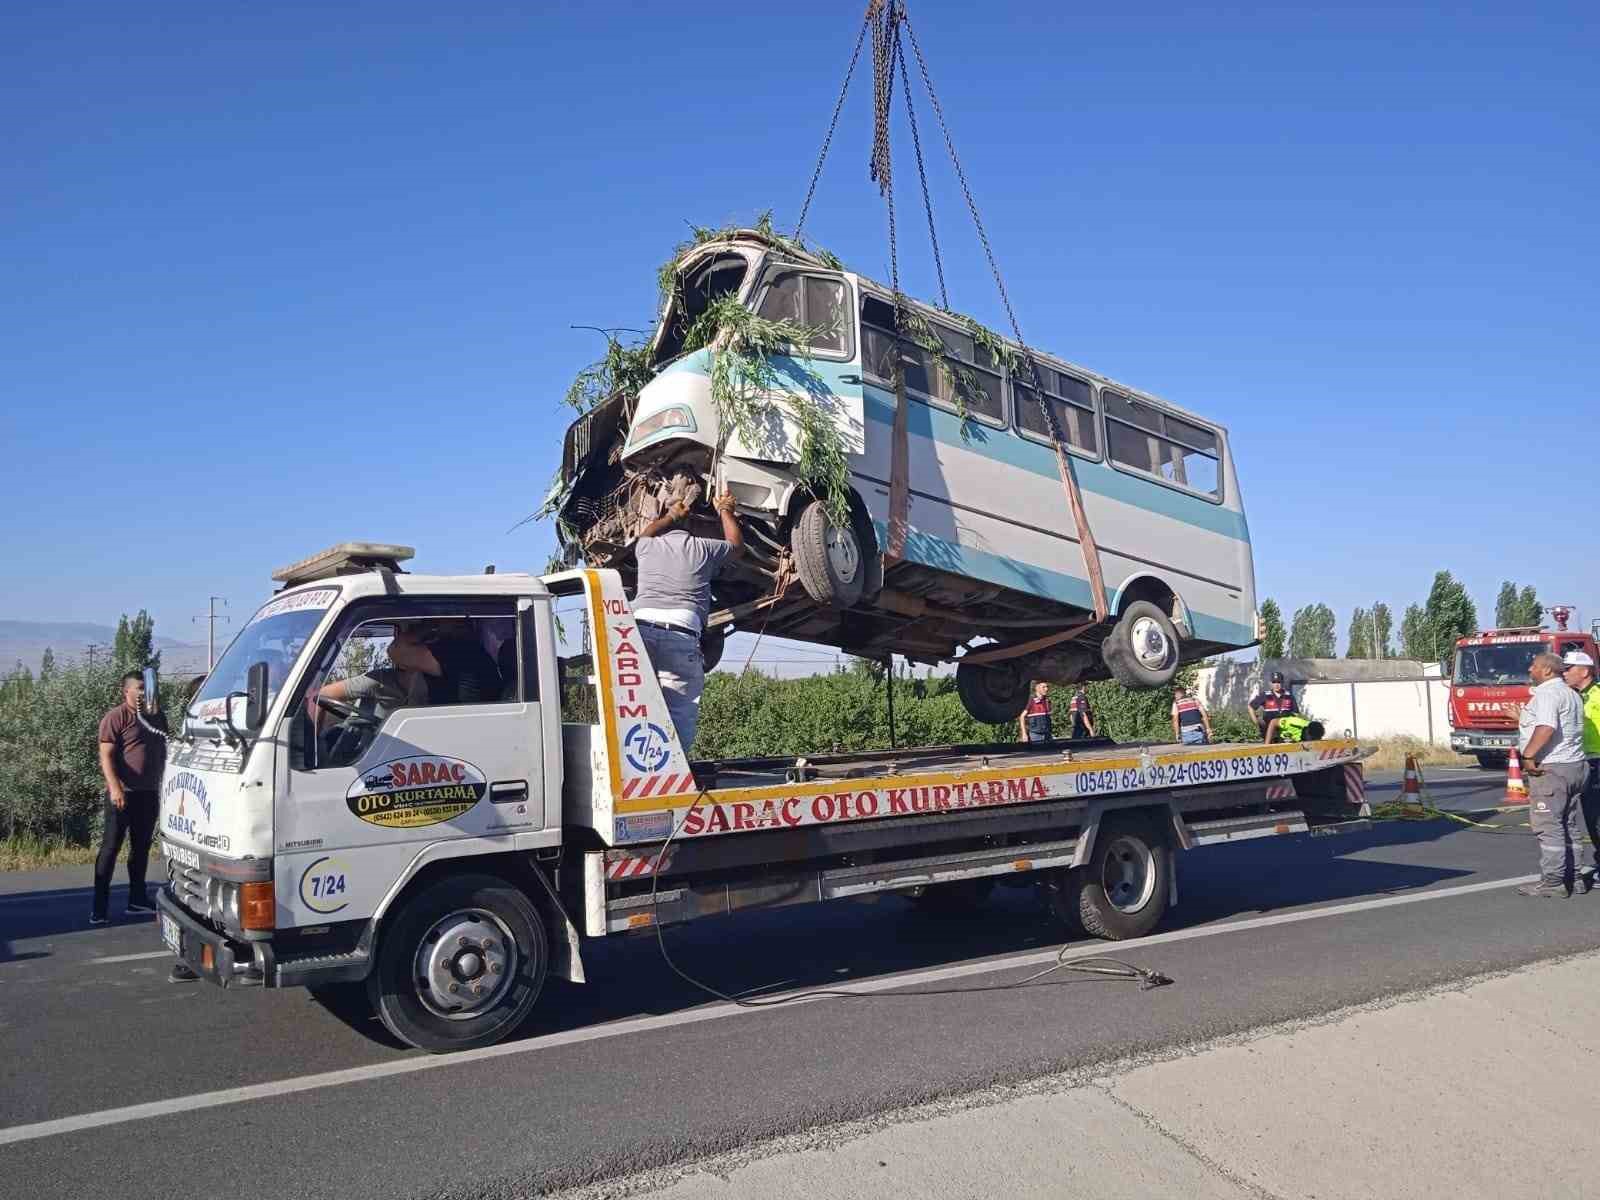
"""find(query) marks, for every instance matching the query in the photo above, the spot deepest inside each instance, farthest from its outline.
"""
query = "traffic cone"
(1516, 790)
(1412, 788)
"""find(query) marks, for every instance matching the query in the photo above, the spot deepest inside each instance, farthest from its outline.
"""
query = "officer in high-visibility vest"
(1578, 670)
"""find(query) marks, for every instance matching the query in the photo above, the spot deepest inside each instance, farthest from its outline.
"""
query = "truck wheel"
(1122, 891)
(459, 965)
(959, 899)
(1141, 651)
(1491, 760)
(829, 560)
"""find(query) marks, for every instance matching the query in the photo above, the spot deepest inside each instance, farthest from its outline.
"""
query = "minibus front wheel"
(1141, 650)
(830, 560)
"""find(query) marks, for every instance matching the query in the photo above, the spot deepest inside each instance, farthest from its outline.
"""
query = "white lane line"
(116, 958)
(714, 1012)
(47, 897)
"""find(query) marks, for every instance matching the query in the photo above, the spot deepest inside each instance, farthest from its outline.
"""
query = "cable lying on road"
(1102, 967)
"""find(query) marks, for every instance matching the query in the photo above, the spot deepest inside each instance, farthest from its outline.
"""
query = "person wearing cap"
(1190, 724)
(1277, 701)
(1579, 674)
(1550, 741)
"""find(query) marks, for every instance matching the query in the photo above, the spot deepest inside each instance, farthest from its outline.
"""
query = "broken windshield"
(722, 274)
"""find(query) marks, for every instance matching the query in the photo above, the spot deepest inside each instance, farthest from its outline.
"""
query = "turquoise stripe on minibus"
(1008, 447)
(1035, 580)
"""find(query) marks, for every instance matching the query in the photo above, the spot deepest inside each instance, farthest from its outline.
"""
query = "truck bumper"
(228, 963)
(1465, 741)
(214, 957)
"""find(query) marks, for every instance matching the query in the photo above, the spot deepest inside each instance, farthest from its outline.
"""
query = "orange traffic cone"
(1516, 790)
(1412, 788)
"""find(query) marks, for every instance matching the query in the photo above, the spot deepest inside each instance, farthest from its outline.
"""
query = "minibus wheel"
(1141, 651)
(459, 964)
(993, 694)
(830, 561)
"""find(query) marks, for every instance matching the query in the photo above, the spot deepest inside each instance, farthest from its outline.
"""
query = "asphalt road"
(637, 1069)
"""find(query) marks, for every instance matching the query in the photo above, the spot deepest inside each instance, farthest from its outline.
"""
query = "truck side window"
(379, 663)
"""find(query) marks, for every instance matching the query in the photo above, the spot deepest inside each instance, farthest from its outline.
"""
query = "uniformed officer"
(1277, 701)
(1033, 725)
(1579, 673)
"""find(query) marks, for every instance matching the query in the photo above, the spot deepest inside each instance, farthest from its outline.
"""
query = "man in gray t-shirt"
(1550, 740)
(673, 600)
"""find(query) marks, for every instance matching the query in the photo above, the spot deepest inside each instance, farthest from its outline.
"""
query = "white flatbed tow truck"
(449, 848)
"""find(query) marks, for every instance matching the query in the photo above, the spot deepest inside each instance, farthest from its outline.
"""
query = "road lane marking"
(572, 1037)
(116, 958)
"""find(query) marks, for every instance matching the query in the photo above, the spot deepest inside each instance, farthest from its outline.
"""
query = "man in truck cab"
(1579, 673)
(673, 600)
(1268, 706)
(455, 667)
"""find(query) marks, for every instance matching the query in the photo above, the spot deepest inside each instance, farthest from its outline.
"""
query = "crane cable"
(886, 18)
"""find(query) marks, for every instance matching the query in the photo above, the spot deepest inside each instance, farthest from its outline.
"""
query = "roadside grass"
(1392, 751)
(37, 854)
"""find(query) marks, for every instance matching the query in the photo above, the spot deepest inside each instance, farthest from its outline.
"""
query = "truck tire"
(1492, 760)
(829, 561)
(465, 932)
(1141, 651)
(962, 898)
(1122, 891)
(994, 694)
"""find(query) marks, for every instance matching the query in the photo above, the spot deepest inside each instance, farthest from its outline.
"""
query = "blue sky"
(283, 275)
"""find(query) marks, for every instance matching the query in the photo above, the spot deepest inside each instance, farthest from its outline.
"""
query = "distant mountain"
(26, 641)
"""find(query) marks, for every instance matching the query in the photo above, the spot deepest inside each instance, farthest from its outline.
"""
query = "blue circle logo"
(645, 747)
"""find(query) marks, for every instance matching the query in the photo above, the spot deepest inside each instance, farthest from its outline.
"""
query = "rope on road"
(1099, 966)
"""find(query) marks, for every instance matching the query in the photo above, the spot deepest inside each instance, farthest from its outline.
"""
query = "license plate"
(171, 934)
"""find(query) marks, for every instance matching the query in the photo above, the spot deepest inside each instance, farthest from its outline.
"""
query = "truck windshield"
(1495, 666)
(275, 635)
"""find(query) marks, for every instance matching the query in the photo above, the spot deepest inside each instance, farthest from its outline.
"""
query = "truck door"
(402, 760)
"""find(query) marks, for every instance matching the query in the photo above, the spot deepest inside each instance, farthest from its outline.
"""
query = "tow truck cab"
(291, 822)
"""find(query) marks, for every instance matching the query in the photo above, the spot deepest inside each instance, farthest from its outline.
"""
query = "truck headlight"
(675, 418)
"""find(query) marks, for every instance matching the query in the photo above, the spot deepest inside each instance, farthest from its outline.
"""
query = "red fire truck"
(1489, 683)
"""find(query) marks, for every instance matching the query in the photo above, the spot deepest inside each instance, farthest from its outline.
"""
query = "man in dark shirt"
(131, 760)
(457, 668)
(1277, 701)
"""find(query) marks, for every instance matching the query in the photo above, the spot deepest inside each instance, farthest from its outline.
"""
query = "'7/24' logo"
(645, 747)
(324, 887)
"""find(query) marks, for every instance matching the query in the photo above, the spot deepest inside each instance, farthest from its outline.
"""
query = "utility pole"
(91, 648)
(211, 618)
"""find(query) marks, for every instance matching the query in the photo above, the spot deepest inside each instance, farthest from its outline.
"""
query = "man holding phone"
(131, 760)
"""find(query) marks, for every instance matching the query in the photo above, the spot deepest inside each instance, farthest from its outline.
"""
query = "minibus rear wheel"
(830, 560)
(994, 694)
(1141, 650)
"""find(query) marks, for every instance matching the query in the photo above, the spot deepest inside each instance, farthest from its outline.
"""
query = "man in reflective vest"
(1578, 670)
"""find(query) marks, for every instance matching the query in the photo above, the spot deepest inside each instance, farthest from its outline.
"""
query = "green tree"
(1312, 634)
(1448, 614)
(1272, 643)
(1359, 639)
(47, 664)
(133, 648)
(1529, 610)
(1505, 605)
(1382, 625)
(1415, 640)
